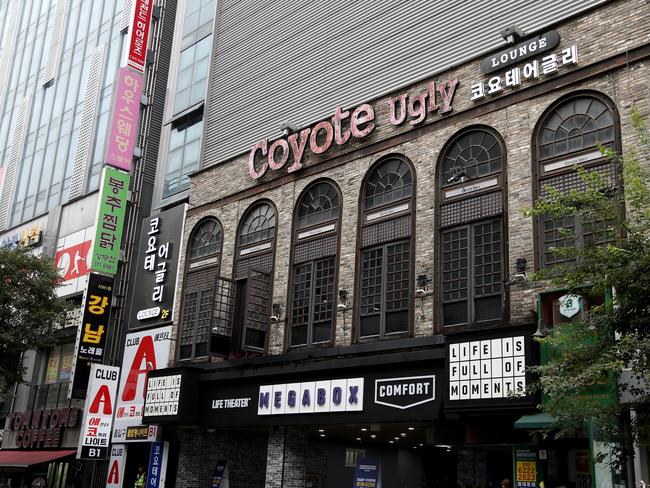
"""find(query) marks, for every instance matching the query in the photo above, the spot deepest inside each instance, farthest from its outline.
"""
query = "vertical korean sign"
(157, 464)
(110, 220)
(140, 34)
(91, 334)
(98, 412)
(124, 123)
(116, 466)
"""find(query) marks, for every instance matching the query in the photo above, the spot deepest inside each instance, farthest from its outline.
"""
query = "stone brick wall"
(287, 458)
(245, 451)
(605, 32)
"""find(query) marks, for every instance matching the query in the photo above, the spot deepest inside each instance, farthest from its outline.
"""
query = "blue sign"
(156, 469)
(219, 474)
(367, 474)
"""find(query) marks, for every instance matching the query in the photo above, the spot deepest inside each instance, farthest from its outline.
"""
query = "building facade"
(353, 283)
(67, 66)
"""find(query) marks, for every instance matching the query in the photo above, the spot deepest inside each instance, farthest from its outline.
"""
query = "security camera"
(286, 127)
(520, 278)
(342, 307)
(421, 292)
(273, 318)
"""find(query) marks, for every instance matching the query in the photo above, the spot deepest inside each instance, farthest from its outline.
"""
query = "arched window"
(471, 229)
(202, 270)
(569, 133)
(314, 265)
(384, 303)
(253, 273)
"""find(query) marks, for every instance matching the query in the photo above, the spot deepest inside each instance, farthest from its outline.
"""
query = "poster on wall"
(72, 260)
(110, 220)
(91, 333)
(155, 283)
(96, 427)
(367, 473)
(143, 352)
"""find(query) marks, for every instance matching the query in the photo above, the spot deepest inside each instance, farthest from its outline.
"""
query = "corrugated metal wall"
(295, 61)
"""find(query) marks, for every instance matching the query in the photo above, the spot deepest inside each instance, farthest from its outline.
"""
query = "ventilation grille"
(54, 49)
(15, 155)
(262, 262)
(471, 209)
(572, 181)
(315, 249)
(87, 124)
(386, 231)
(125, 22)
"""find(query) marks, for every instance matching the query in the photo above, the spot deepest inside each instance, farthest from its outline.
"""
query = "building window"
(253, 274)
(59, 364)
(570, 133)
(183, 156)
(199, 289)
(472, 227)
(313, 283)
(193, 69)
(385, 249)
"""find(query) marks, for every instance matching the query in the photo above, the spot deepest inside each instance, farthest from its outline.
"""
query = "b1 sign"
(98, 412)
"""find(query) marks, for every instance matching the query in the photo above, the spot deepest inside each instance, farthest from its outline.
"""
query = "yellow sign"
(526, 471)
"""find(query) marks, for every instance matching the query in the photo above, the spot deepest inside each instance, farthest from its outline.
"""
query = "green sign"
(110, 220)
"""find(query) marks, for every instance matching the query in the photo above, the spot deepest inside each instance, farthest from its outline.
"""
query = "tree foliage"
(29, 308)
(614, 337)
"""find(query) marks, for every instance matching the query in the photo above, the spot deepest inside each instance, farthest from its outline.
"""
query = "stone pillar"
(286, 458)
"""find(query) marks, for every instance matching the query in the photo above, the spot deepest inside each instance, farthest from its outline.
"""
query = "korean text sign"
(110, 220)
(124, 123)
(157, 464)
(98, 412)
(140, 34)
(155, 282)
(91, 334)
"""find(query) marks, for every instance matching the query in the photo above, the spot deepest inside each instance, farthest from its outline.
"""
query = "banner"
(220, 475)
(98, 412)
(124, 122)
(367, 473)
(140, 34)
(155, 282)
(91, 333)
(143, 352)
(157, 464)
(116, 466)
(110, 220)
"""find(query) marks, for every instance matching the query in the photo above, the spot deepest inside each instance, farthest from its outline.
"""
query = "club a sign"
(98, 413)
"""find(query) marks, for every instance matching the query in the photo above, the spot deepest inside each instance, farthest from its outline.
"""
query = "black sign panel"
(155, 281)
(487, 370)
(91, 334)
(523, 50)
(329, 397)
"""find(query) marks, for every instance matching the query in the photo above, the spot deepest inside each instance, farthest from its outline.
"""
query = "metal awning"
(23, 459)
(535, 421)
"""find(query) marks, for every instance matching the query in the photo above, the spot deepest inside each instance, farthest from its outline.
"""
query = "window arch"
(199, 288)
(253, 272)
(385, 250)
(314, 265)
(567, 134)
(471, 223)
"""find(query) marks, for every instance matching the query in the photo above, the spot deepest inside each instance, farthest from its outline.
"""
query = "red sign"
(140, 34)
(72, 260)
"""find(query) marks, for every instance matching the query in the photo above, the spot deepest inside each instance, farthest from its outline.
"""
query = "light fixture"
(520, 272)
(358, 438)
(411, 428)
(343, 300)
(391, 442)
(403, 434)
(373, 436)
(286, 128)
(457, 174)
(321, 430)
(422, 290)
(541, 331)
(322, 435)
(421, 445)
(396, 438)
(512, 34)
(276, 314)
(363, 429)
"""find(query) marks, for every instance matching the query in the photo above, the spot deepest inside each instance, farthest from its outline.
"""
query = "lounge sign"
(524, 50)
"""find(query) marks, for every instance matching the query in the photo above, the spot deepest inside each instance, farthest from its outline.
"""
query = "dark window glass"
(196, 316)
(574, 126)
(389, 182)
(471, 241)
(258, 225)
(313, 293)
(205, 239)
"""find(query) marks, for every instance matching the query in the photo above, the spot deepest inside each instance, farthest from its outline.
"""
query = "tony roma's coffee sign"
(42, 428)
(345, 126)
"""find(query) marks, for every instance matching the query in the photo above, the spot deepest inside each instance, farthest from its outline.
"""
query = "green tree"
(614, 336)
(29, 308)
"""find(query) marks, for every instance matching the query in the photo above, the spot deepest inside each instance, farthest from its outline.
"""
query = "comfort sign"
(344, 395)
